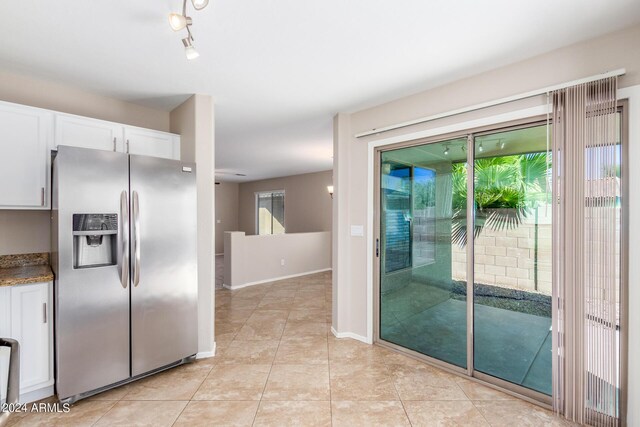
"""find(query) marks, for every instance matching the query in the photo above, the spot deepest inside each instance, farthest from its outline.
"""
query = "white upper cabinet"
(151, 143)
(25, 134)
(88, 133)
(28, 134)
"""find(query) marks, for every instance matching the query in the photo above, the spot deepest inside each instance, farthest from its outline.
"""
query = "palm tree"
(506, 190)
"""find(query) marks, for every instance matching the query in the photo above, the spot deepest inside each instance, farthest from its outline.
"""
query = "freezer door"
(90, 246)
(164, 291)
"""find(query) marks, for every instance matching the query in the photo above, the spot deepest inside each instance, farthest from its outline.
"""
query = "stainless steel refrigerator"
(124, 259)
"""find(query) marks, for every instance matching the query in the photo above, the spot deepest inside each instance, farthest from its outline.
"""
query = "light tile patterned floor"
(278, 364)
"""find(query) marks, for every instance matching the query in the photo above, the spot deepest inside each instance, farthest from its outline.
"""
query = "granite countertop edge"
(24, 269)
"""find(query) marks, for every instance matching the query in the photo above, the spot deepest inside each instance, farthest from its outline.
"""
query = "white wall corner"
(340, 234)
(633, 367)
(351, 335)
(207, 354)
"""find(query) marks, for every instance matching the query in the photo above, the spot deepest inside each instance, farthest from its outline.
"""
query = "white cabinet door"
(88, 133)
(152, 143)
(31, 326)
(24, 156)
(5, 332)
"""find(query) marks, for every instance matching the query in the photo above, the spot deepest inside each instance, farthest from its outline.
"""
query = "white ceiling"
(279, 70)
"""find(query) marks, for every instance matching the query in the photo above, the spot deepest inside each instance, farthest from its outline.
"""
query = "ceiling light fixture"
(199, 4)
(446, 150)
(502, 144)
(189, 50)
(330, 190)
(179, 22)
(480, 148)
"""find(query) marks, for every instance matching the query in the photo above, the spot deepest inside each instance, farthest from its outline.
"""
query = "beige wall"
(24, 232)
(194, 120)
(353, 316)
(29, 231)
(307, 204)
(68, 99)
(258, 259)
(227, 204)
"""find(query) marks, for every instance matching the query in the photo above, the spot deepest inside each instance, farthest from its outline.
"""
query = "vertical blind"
(586, 247)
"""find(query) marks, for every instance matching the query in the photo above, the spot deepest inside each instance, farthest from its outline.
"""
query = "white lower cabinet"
(28, 318)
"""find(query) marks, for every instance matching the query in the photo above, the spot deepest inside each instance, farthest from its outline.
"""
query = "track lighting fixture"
(480, 148)
(178, 22)
(182, 21)
(446, 150)
(189, 50)
(199, 4)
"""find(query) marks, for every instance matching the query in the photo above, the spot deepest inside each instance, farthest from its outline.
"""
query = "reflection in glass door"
(512, 257)
(423, 264)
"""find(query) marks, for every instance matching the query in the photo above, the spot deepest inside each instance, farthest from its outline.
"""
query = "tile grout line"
(473, 403)
(393, 381)
(479, 411)
(192, 395)
(105, 413)
(185, 407)
(270, 367)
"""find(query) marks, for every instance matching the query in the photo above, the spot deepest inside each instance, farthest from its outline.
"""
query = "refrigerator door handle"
(136, 238)
(124, 223)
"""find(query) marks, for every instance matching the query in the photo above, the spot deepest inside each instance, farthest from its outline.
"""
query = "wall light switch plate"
(357, 230)
(282, 261)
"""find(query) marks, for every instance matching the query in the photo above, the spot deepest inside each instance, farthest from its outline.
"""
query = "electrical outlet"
(282, 261)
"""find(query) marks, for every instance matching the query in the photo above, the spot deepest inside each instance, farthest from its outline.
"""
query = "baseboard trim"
(206, 354)
(35, 395)
(350, 335)
(260, 282)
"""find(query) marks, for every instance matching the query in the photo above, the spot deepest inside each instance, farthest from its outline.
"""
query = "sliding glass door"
(430, 233)
(423, 266)
(512, 257)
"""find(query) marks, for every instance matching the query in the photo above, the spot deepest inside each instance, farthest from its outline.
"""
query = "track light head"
(199, 4)
(179, 22)
(480, 148)
(189, 50)
(446, 150)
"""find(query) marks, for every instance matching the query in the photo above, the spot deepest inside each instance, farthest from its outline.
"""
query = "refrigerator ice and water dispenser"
(95, 240)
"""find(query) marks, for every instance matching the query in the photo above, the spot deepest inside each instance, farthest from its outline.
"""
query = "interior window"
(270, 212)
